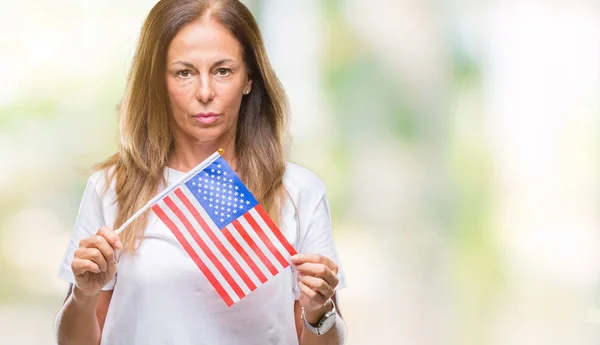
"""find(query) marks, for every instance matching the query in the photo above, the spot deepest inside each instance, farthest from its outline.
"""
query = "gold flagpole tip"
(221, 151)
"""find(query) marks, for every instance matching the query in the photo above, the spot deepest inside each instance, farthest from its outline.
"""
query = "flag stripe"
(254, 247)
(207, 273)
(251, 253)
(211, 256)
(244, 255)
(266, 240)
(276, 231)
(209, 231)
(261, 224)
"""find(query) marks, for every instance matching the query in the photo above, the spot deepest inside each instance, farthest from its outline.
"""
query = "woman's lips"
(206, 118)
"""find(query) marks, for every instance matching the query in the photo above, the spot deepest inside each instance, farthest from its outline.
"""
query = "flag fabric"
(225, 231)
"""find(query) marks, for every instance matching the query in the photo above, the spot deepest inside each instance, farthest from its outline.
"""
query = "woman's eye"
(223, 71)
(184, 74)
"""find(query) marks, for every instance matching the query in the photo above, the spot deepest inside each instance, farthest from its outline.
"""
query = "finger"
(94, 255)
(81, 266)
(317, 284)
(100, 243)
(111, 237)
(299, 259)
(318, 270)
(312, 294)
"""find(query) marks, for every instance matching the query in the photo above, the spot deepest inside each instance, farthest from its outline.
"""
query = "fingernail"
(118, 244)
(294, 257)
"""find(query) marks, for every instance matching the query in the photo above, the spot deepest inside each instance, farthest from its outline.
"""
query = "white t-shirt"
(161, 297)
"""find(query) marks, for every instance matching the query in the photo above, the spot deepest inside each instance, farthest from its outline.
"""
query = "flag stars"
(247, 202)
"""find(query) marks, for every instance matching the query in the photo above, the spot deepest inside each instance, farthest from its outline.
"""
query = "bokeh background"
(459, 141)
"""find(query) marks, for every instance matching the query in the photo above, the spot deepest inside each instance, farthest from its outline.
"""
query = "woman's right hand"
(94, 264)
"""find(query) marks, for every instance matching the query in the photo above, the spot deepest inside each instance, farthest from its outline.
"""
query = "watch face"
(327, 323)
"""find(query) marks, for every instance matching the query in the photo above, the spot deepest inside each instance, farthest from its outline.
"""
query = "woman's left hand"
(317, 279)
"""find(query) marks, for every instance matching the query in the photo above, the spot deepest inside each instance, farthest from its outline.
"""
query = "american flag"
(225, 231)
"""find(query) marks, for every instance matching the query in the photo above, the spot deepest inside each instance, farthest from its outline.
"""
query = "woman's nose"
(205, 90)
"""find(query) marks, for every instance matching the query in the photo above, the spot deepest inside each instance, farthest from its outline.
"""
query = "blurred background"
(459, 141)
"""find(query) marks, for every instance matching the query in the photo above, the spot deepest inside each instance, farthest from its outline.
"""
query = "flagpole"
(169, 189)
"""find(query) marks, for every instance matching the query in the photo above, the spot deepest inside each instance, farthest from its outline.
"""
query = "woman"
(200, 80)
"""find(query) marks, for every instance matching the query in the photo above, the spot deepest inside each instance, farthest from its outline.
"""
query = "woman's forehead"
(204, 40)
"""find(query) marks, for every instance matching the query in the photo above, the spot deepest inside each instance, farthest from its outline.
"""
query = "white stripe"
(260, 244)
(261, 266)
(217, 232)
(199, 251)
(278, 245)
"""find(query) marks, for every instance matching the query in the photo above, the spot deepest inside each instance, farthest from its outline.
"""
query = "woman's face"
(206, 79)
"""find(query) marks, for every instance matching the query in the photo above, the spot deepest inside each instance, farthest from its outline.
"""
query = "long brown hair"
(146, 141)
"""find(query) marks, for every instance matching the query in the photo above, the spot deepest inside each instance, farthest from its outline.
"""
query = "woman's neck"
(186, 155)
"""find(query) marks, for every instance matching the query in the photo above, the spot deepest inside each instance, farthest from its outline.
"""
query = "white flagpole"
(169, 189)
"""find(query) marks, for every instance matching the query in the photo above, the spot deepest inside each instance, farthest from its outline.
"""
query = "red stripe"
(255, 248)
(204, 247)
(275, 230)
(207, 273)
(244, 255)
(214, 238)
(266, 240)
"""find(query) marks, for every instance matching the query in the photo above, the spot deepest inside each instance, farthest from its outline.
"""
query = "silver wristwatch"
(325, 324)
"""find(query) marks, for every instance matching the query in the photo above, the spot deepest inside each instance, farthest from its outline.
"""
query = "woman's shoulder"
(300, 181)
(99, 179)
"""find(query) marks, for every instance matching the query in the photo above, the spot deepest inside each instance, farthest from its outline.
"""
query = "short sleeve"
(89, 219)
(318, 239)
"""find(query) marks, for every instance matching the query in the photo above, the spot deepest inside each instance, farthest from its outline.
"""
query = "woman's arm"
(81, 318)
(335, 336)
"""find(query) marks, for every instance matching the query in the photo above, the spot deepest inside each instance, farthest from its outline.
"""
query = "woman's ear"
(248, 87)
